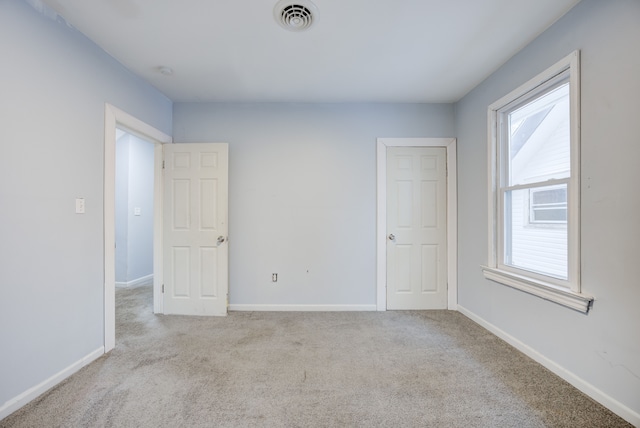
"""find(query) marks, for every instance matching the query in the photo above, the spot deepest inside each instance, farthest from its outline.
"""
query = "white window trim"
(571, 297)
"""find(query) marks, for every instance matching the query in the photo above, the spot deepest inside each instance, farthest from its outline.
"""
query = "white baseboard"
(302, 308)
(17, 402)
(147, 279)
(607, 401)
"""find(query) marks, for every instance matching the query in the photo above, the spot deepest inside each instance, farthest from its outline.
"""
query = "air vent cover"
(295, 15)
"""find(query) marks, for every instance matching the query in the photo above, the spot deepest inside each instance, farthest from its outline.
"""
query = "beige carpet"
(253, 369)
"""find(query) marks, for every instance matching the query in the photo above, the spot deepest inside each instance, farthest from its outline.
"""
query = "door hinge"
(162, 164)
(163, 288)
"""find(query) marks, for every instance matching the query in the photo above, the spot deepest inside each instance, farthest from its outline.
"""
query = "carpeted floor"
(339, 369)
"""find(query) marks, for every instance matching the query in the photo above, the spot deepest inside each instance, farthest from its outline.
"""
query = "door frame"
(452, 214)
(116, 118)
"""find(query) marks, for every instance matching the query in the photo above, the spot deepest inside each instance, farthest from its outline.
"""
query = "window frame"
(565, 292)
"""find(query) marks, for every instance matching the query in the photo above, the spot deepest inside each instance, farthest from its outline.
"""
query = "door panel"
(417, 228)
(429, 265)
(195, 229)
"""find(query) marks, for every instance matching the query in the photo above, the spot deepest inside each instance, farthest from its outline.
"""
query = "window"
(548, 205)
(534, 181)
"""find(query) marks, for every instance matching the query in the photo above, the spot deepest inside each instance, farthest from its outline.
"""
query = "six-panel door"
(416, 228)
(195, 228)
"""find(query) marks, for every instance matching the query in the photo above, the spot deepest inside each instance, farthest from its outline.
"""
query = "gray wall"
(602, 348)
(303, 192)
(134, 189)
(54, 84)
(140, 230)
(122, 208)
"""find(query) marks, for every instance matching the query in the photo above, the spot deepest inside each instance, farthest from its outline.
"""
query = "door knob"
(392, 237)
(221, 239)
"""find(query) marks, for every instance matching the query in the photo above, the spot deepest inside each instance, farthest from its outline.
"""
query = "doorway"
(134, 210)
(448, 145)
(114, 119)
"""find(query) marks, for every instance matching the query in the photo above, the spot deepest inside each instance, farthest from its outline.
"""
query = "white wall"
(54, 84)
(602, 349)
(303, 193)
(134, 189)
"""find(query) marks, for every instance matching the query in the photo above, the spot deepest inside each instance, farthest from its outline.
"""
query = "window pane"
(538, 248)
(539, 138)
(549, 215)
(548, 204)
(547, 196)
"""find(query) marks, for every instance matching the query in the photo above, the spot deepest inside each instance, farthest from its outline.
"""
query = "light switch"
(79, 205)
(136, 211)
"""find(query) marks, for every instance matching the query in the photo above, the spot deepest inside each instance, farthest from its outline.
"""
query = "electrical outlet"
(274, 277)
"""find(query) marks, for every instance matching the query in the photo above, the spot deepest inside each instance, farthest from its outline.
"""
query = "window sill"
(579, 302)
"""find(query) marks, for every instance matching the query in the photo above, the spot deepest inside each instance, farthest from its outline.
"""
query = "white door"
(195, 229)
(416, 228)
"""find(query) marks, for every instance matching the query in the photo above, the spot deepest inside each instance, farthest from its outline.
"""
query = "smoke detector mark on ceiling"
(165, 71)
(295, 15)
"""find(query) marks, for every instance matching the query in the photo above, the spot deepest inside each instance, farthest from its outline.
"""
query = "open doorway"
(117, 119)
(134, 217)
(134, 210)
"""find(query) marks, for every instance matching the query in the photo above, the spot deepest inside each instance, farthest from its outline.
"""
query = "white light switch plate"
(136, 211)
(79, 205)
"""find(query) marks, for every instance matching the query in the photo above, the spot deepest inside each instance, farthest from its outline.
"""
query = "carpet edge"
(302, 308)
(607, 401)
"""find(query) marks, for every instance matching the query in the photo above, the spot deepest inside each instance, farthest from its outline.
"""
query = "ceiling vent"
(295, 15)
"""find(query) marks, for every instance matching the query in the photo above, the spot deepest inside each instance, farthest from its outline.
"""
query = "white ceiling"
(357, 51)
